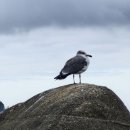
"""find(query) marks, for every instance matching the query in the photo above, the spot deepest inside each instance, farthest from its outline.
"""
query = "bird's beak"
(89, 55)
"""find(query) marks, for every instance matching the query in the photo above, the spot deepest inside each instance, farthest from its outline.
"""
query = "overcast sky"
(37, 37)
(30, 14)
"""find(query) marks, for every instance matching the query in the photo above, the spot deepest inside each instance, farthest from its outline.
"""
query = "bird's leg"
(73, 79)
(80, 78)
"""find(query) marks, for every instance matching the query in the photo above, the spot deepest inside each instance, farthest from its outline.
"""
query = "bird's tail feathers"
(61, 76)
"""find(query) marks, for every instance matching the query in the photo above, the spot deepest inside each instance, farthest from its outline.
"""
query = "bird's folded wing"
(74, 65)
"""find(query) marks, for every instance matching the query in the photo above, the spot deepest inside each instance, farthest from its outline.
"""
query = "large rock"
(70, 107)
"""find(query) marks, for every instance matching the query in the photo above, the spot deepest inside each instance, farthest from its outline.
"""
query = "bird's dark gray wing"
(74, 65)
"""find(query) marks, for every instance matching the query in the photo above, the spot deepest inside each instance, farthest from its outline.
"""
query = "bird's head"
(82, 53)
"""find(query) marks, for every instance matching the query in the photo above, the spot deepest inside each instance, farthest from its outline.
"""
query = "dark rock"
(70, 107)
(2, 108)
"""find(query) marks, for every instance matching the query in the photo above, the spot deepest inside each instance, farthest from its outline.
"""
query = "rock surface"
(70, 107)
(2, 108)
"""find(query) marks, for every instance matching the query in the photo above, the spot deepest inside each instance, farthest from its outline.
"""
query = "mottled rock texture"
(70, 107)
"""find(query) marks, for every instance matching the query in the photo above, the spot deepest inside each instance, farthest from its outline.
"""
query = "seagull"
(75, 65)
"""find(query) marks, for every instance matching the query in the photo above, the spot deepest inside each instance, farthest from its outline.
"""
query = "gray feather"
(74, 65)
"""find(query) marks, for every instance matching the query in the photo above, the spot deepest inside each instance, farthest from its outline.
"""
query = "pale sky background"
(38, 36)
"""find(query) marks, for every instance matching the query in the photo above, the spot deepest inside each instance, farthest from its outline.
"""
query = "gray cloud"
(29, 14)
